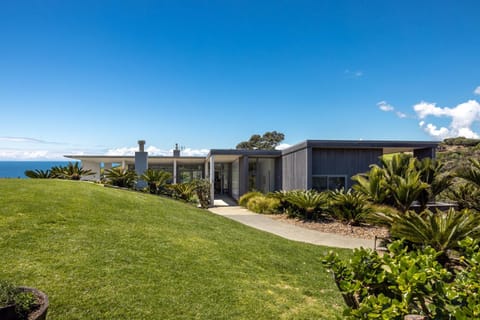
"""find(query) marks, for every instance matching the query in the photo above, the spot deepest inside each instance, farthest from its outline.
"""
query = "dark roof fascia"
(241, 152)
(73, 156)
(360, 144)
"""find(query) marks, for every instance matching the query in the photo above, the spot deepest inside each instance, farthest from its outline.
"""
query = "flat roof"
(388, 146)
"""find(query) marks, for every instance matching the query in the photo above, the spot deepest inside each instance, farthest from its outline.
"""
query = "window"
(327, 182)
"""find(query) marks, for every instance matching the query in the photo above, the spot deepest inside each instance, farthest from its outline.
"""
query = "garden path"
(289, 231)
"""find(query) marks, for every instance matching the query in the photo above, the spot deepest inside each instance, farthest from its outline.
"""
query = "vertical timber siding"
(295, 170)
(348, 162)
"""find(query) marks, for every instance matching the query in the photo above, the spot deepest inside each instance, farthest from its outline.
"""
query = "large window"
(328, 182)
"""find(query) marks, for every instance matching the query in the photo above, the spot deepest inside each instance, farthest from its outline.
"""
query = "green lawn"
(102, 253)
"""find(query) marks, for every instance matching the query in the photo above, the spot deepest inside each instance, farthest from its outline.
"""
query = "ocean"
(16, 169)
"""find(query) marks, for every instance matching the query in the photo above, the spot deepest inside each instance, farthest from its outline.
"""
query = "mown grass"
(101, 253)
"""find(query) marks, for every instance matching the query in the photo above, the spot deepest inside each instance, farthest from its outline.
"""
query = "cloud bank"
(462, 118)
(477, 91)
(154, 151)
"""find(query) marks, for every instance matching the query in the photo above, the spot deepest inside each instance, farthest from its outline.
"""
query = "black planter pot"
(40, 313)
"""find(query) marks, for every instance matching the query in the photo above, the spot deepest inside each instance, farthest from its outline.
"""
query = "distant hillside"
(455, 152)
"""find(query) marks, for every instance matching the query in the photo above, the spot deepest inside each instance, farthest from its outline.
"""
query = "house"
(311, 164)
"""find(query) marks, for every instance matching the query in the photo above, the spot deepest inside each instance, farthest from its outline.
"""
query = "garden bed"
(330, 226)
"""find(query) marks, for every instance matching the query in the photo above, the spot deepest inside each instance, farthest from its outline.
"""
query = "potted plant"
(17, 303)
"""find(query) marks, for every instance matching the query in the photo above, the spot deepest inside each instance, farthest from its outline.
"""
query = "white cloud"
(463, 116)
(401, 115)
(9, 154)
(283, 146)
(353, 74)
(477, 90)
(21, 140)
(154, 151)
(384, 106)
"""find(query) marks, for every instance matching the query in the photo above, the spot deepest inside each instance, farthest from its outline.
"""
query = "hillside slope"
(101, 253)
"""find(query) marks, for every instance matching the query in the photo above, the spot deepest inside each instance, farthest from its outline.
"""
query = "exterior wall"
(243, 175)
(141, 164)
(278, 173)
(424, 153)
(95, 167)
(236, 179)
(295, 168)
(348, 162)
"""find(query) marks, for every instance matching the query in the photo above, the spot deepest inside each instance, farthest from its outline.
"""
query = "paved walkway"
(289, 231)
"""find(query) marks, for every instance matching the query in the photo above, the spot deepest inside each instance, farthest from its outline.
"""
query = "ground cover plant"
(103, 253)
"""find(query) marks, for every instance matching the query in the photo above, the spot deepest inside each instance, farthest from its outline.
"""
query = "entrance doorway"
(222, 178)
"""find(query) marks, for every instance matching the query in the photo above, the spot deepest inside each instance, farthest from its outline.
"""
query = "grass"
(101, 253)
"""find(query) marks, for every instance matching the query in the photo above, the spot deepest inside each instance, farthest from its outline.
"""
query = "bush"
(403, 282)
(243, 201)
(24, 301)
(350, 207)
(263, 204)
(183, 191)
(308, 202)
(202, 188)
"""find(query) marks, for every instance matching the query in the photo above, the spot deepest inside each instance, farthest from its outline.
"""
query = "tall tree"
(268, 141)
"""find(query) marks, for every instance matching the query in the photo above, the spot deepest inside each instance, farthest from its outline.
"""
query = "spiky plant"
(406, 189)
(441, 230)
(155, 179)
(183, 191)
(121, 177)
(465, 195)
(38, 174)
(371, 184)
(72, 171)
(349, 207)
(471, 174)
(309, 201)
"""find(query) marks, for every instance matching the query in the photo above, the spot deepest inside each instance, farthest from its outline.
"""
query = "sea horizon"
(17, 168)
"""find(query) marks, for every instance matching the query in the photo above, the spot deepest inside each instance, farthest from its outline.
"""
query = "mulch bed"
(330, 226)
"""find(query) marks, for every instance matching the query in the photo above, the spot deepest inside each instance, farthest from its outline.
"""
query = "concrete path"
(289, 231)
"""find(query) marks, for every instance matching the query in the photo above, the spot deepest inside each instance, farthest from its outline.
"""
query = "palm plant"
(183, 191)
(465, 195)
(430, 173)
(156, 179)
(72, 171)
(471, 174)
(309, 201)
(371, 184)
(440, 230)
(121, 177)
(406, 189)
(38, 174)
(350, 207)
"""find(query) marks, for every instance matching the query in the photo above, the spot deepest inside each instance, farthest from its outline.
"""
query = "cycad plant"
(441, 230)
(121, 177)
(309, 202)
(38, 174)
(471, 174)
(72, 171)
(183, 191)
(155, 179)
(350, 207)
(371, 184)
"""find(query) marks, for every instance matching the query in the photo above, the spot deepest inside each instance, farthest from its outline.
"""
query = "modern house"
(311, 164)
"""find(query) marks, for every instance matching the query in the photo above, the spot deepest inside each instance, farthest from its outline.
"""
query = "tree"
(268, 141)
(156, 179)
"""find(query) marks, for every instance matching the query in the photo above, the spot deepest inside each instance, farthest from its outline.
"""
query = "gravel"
(364, 231)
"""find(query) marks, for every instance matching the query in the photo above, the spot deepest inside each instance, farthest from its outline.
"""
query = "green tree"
(72, 171)
(268, 141)
(38, 174)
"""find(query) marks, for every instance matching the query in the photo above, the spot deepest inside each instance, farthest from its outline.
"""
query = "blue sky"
(93, 77)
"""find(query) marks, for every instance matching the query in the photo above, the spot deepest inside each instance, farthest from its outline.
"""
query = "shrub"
(350, 207)
(156, 179)
(263, 204)
(121, 177)
(183, 191)
(403, 282)
(440, 230)
(309, 202)
(24, 302)
(202, 188)
(243, 201)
